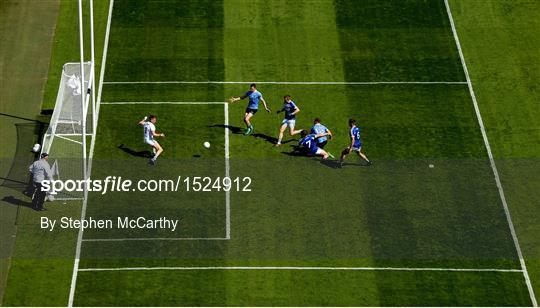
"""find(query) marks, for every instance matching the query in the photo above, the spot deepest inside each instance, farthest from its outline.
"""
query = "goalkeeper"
(253, 106)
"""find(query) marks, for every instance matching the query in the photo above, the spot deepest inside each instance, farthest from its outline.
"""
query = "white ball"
(206, 144)
(431, 166)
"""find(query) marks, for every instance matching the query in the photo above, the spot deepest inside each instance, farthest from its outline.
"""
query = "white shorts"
(289, 123)
(319, 151)
(150, 142)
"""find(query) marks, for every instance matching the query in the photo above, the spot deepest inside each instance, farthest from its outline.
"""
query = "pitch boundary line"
(491, 159)
(90, 156)
(310, 268)
(288, 82)
(164, 103)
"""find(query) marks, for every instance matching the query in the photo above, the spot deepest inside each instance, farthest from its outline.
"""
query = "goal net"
(63, 140)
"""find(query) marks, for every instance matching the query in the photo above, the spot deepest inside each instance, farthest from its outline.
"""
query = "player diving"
(308, 144)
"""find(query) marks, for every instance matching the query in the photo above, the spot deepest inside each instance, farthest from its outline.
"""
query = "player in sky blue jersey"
(291, 110)
(318, 128)
(308, 144)
(356, 144)
(252, 107)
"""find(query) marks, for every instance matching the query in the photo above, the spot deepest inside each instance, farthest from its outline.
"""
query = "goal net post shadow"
(71, 124)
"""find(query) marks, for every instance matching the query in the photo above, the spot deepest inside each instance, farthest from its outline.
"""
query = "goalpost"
(73, 123)
(71, 126)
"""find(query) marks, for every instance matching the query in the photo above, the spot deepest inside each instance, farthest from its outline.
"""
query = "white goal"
(71, 127)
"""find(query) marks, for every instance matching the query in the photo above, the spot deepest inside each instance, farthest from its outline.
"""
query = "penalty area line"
(305, 268)
(155, 239)
(163, 103)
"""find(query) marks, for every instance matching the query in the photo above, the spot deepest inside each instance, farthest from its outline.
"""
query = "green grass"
(301, 211)
(293, 288)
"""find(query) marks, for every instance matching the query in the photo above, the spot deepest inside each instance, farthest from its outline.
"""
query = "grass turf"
(302, 212)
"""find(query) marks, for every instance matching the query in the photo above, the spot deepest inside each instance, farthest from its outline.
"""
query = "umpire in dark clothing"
(40, 170)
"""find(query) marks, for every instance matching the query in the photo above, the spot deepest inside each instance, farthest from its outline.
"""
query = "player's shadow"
(146, 154)
(334, 164)
(237, 131)
(330, 163)
(296, 151)
(233, 129)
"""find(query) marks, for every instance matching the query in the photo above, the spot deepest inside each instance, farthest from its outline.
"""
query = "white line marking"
(309, 268)
(68, 139)
(154, 239)
(227, 174)
(85, 201)
(69, 134)
(288, 82)
(491, 160)
(163, 103)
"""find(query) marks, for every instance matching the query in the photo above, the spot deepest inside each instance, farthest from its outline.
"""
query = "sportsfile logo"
(118, 184)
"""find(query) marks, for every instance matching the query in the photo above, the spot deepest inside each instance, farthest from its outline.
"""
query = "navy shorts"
(354, 149)
(252, 111)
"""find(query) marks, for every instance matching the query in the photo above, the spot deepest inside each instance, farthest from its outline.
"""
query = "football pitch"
(425, 225)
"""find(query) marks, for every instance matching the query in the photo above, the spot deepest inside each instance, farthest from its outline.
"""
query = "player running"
(253, 106)
(309, 145)
(291, 110)
(318, 128)
(149, 126)
(356, 144)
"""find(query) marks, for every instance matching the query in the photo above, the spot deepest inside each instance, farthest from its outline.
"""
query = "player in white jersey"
(149, 126)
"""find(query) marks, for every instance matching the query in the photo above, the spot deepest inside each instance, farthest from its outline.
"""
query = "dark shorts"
(252, 111)
(322, 144)
(311, 151)
(354, 149)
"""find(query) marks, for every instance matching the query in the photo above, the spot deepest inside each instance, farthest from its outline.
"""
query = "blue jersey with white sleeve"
(309, 144)
(355, 133)
(254, 97)
(319, 129)
(289, 108)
